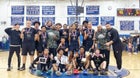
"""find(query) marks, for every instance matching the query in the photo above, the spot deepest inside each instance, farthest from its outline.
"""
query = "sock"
(9, 66)
(23, 65)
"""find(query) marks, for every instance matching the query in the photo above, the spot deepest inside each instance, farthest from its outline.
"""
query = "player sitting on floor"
(98, 62)
(43, 62)
(60, 64)
(81, 62)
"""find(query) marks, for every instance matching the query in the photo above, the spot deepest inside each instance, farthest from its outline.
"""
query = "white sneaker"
(118, 70)
(135, 53)
(58, 73)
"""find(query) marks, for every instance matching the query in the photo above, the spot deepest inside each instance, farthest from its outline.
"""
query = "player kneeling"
(61, 64)
(81, 61)
(98, 63)
(43, 62)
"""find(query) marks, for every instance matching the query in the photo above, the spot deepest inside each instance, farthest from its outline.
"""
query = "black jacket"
(14, 36)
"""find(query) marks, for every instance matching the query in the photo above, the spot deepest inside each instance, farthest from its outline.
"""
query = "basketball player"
(85, 24)
(60, 64)
(28, 43)
(37, 45)
(43, 37)
(79, 63)
(43, 61)
(89, 37)
(98, 61)
(15, 43)
(74, 39)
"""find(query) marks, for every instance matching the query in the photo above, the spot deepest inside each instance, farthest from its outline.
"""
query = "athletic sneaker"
(22, 68)
(85, 72)
(135, 53)
(75, 71)
(49, 72)
(103, 72)
(58, 73)
(118, 70)
(68, 72)
(8, 69)
(95, 72)
(18, 68)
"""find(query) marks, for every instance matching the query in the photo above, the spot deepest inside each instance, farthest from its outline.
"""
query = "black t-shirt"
(64, 46)
(43, 39)
(64, 35)
(79, 58)
(29, 35)
(74, 36)
(37, 42)
(90, 33)
(97, 60)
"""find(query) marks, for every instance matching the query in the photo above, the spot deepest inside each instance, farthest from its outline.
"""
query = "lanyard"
(44, 35)
(27, 30)
(63, 46)
(74, 33)
(89, 31)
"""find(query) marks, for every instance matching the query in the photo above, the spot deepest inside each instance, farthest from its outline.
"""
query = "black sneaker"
(18, 68)
(103, 72)
(95, 72)
(8, 69)
(22, 68)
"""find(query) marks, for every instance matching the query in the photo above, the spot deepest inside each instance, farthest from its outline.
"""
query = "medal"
(74, 38)
(90, 33)
(44, 40)
(74, 35)
(64, 34)
(90, 36)
(44, 37)
(28, 33)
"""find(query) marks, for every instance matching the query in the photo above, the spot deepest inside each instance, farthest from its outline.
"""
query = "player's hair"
(84, 22)
(60, 49)
(16, 24)
(43, 26)
(36, 22)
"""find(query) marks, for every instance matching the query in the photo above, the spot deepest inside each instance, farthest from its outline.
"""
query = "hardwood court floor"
(130, 62)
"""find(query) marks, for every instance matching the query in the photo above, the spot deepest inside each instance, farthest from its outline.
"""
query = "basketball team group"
(65, 49)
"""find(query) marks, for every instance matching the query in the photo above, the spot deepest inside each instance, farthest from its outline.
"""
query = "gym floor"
(130, 62)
